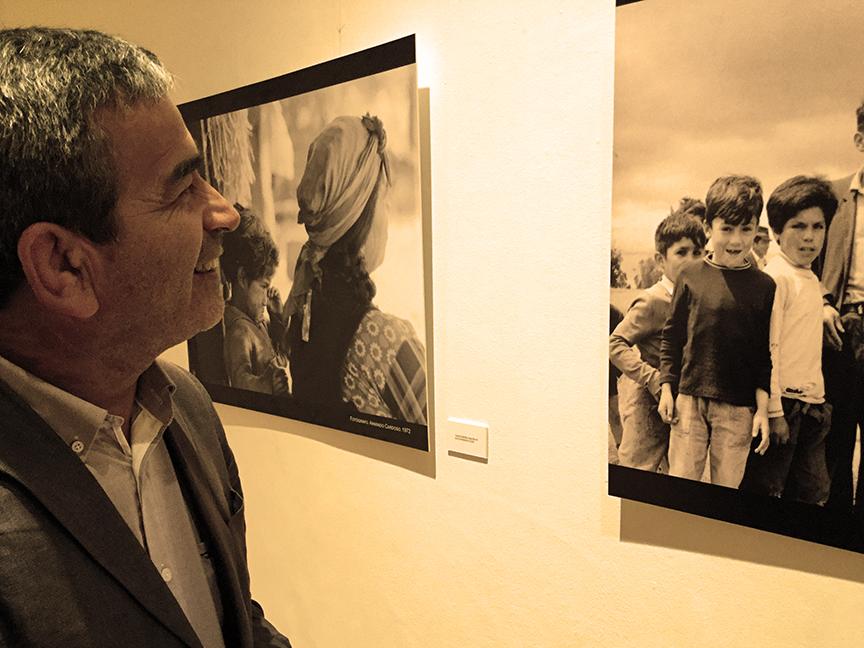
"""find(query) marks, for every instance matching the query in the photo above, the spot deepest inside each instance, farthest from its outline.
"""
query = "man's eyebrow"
(184, 168)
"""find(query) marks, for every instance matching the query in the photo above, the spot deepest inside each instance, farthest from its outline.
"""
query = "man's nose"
(219, 214)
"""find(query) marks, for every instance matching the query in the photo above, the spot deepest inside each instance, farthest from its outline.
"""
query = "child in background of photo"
(248, 263)
(760, 246)
(714, 351)
(634, 346)
(688, 206)
(794, 466)
(615, 317)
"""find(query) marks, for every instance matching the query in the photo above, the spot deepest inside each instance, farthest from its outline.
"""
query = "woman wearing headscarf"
(344, 352)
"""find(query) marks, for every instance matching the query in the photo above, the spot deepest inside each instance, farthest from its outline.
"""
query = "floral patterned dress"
(385, 369)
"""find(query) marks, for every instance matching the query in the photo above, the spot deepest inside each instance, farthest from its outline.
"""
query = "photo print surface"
(737, 267)
(325, 316)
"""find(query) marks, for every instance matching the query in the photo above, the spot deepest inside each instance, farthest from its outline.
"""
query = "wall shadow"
(647, 524)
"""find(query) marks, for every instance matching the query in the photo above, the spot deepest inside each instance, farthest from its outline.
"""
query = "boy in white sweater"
(799, 418)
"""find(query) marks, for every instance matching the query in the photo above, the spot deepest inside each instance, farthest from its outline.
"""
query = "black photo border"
(828, 526)
(381, 58)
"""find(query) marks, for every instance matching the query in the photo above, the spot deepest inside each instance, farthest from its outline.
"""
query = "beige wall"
(357, 543)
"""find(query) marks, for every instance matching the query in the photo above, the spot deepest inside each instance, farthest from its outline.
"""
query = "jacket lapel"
(838, 246)
(203, 486)
(35, 456)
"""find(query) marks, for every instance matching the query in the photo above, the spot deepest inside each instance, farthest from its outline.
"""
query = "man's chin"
(205, 317)
(213, 316)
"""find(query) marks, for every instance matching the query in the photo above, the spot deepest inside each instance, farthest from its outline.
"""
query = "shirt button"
(77, 447)
(167, 575)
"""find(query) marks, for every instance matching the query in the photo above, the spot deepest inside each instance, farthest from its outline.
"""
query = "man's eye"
(187, 189)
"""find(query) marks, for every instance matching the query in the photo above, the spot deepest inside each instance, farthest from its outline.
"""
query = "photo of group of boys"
(718, 356)
(736, 342)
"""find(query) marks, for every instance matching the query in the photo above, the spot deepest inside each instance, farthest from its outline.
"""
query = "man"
(122, 520)
(841, 270)
(760, 247)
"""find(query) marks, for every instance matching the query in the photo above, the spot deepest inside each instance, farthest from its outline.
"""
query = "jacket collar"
(214, 517)
(32, 454)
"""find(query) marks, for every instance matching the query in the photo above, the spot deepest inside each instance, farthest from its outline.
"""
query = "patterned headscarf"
(344, 165)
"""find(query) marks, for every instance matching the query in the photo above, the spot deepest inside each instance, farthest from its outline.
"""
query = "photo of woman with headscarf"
(331, 220)
(345, 353)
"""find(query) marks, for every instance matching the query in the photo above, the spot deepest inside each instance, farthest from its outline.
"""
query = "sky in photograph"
(709, 88)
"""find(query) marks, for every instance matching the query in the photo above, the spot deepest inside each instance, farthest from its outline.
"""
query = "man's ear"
(58, 266)
(858, 138)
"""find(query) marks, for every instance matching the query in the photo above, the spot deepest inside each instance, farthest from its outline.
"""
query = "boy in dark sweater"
(714, 351)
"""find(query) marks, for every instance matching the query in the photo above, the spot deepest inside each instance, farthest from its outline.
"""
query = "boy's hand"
(274, 302)
(779, 429)
(762, 428)
(666, 407)
(832, 327)
(279, 377)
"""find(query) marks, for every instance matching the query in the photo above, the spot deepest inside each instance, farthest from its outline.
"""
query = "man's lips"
(208, 260)
(207, 266)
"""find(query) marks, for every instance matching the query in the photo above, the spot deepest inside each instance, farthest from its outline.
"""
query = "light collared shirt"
(634, 345)
(855, 283)
(667, 284)
(138, 477)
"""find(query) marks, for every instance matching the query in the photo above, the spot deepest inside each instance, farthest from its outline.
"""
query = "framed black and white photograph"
(736, 385)
(325, 316)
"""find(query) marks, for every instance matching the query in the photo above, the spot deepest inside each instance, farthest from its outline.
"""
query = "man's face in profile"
(159, 282)
(760, 243)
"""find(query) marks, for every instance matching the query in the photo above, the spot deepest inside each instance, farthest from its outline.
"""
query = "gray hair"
(55, 161)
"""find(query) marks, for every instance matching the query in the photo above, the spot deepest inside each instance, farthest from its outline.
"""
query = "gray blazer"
(71, 571)
(833, 264)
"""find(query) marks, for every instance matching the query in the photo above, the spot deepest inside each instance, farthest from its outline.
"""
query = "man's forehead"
(150, 141)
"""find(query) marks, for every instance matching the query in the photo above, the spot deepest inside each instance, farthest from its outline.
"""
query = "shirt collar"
(855, 185)
(154, 393)
(709, 259)
(783, 256)
(75, 420)
(666, 282)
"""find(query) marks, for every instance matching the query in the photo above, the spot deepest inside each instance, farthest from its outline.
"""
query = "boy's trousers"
(645, 437)
(706, 426)
(797, 469)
